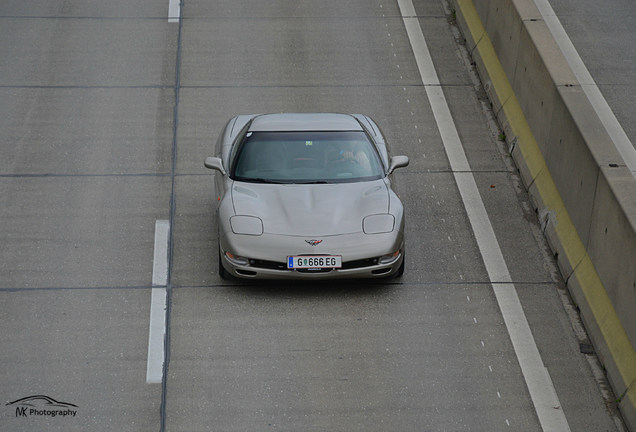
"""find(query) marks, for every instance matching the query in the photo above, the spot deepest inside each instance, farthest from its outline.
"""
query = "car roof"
(304, 122)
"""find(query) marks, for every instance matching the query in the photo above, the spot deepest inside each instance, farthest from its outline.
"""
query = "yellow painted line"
(618, 344)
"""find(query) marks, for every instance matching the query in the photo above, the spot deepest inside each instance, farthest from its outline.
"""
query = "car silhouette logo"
(41, 405)
(40, 400)
(314, 242)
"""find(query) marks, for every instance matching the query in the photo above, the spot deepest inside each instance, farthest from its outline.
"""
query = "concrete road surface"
(108, 111)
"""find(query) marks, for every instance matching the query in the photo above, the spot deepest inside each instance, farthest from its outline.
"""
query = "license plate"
(314, 261)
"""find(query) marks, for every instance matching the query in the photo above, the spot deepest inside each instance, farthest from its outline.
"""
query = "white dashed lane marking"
(174, 11)
(157, 327)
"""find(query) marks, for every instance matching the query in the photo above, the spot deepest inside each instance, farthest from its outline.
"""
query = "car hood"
(311, 210)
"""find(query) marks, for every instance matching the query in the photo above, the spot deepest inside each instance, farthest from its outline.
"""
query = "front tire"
(222, 272)
(400, 271)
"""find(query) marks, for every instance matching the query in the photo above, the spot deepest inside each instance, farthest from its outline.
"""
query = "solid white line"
(156, 335)
(174, 11)
(157, 327)
(608, 119)
(540, 386)
(160, 259)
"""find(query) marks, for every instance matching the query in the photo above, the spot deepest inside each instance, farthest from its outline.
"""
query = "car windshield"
(306, 157)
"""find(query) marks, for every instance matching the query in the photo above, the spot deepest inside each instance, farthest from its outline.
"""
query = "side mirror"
(398, 162)
(214, 163)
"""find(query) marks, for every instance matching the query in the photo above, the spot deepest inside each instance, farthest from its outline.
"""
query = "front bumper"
(267, 256)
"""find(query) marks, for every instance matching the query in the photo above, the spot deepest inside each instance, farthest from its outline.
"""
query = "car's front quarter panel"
(396, 208)
(226, 207)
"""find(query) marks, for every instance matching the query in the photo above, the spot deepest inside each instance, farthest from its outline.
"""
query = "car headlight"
(379, 223)
(236, 260)
(390, 258)
(246, 225)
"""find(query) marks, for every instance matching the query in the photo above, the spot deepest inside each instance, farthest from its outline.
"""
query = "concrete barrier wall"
(583, 192)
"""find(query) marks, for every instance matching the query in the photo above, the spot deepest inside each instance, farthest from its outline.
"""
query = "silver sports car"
(307, 196)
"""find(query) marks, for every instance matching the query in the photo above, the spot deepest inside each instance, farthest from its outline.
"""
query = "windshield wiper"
(270, 181)
(259, 180)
